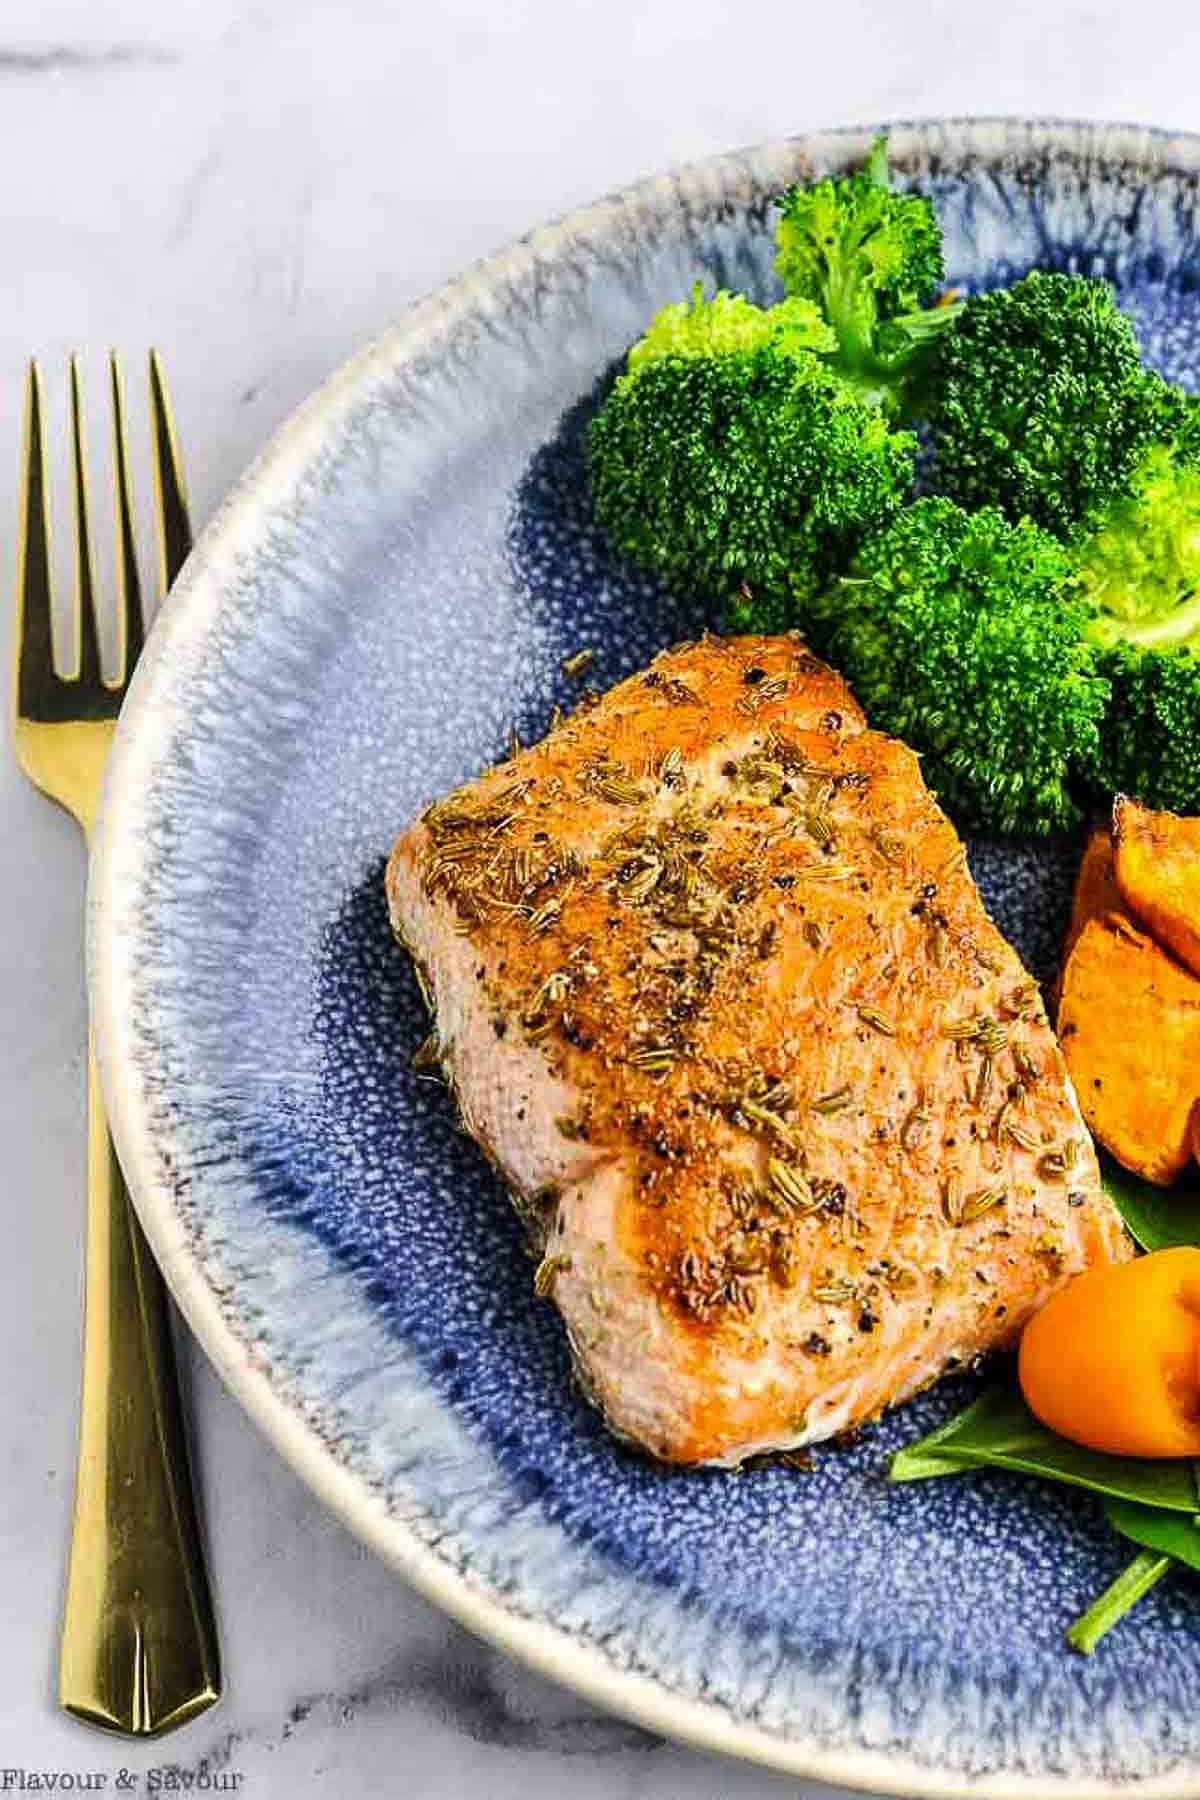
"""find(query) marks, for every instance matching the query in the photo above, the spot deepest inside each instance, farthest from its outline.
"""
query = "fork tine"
(130, 599)
(35, 632)
(85, 581)
(174, 529)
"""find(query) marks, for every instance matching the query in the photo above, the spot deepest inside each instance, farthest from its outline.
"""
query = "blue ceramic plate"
(389, 592)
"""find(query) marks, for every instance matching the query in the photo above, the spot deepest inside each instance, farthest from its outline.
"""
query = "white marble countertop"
(257, 186)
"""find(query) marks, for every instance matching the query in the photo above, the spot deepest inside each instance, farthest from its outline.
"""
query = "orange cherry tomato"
(1113, 1361)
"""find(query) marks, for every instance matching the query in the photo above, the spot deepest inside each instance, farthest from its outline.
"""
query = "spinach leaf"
(999, 1431)
(1159, 1218)
(1168, 1533)
(1110, 1607)
(1166, 1539)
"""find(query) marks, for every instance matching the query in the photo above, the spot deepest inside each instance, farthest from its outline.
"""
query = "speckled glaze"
(392, 589)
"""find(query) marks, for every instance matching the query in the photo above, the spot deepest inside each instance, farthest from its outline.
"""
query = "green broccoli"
(961, 633)
(1139, 560)
(754, 469)
(745, 450)
(1039, 401)
(871, 260)
(1150, 737)
(728, 322)
(1138, 567)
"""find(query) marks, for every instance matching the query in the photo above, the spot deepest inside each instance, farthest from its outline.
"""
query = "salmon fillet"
(781, 1108)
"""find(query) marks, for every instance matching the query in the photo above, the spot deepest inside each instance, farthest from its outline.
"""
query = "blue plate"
(388, 593)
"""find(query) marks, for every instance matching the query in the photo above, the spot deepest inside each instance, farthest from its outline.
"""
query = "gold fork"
(139, 1646)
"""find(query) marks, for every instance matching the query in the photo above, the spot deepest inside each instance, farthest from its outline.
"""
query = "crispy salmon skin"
(717, 994)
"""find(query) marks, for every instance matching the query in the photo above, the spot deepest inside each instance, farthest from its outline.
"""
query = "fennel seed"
(980, 1202)
(835, 1102)
(578, 664)
(762, 1115)
(828, 871)
(762, 694)
(818, 828)
(913, 1129)
(547, 1273)
(671, 766)
(552, 992)
(1010, 1129)
(790, 1185)
(546, 915)
(952, 1203)
(870, 1016)
(643, 882)
(834, 1293)
(619, 790)
(992, 1037)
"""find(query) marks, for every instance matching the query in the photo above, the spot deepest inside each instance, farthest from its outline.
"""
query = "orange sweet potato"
(1157, 866)
(1096, 888)
(1113, 1360)
(1129, 1025)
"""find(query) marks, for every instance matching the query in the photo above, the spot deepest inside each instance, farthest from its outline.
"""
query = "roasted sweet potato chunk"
(1157, 864)
(1096, 888)
(1129, 1025)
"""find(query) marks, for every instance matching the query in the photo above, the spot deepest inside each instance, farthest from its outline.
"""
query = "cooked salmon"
(781, 1108)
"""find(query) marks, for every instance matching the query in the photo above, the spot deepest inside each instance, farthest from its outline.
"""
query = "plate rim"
(119, 854)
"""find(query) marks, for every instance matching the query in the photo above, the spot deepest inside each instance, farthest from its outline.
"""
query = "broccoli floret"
(1139, 569)
(1039, 401)
(1139, 562)
(871, 260)
(1150, 738)
(727, 322)
(1174, 418)
(961, 633)
(751, 469)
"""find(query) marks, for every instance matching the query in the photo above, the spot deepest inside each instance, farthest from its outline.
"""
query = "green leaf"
(1120, 1598)
(922, 1462)
(999, 1431)
(1169, 1533)
(1159, 1218)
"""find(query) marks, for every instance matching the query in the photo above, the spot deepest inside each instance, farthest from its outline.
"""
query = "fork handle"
(139, 1644)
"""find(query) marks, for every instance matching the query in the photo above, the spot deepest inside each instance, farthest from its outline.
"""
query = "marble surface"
(257, 186)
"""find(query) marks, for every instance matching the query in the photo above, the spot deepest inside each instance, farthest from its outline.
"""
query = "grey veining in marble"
(257, 187)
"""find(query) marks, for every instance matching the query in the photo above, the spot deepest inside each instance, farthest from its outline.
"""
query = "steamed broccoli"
(1139, 560)
(961, 633)
(871, 260)
(745, 450)
(1150, 737)
(728, 322)
(753, 468)
(1040, 403)
(1138, 567)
